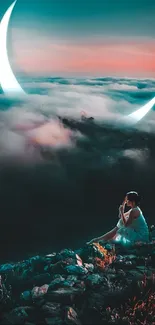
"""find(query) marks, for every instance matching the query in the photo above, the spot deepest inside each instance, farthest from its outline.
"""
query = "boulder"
(71, 317)
(56, 283)
(51, 309)
(94, 280)
(54, 321)
(76, 269)
(64, 294)
(39, 292)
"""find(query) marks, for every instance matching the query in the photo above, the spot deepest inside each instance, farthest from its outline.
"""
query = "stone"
(78, 260)
(37, 263)
(72, 277)
(71, 317)
(94, 280)
(6, 268)
(89, 267)
(70, 281)
(40, 279)
(56, 283)
(51, 309)
(26, 297)
(38, 292)
(17, 316)
(54, 321)
(65, 253)
(57, 268)
(80, 284)
(64, 294)
(76, 269)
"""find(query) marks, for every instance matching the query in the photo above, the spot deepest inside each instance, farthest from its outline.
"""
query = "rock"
(68, 284)
(78, 260)
(76, 269)
(57, 268)
(54, 321)
(94, 280)
(39, 292)
(56, 283)
(72, 278)
(89, 267)
(130, 257)
(51, 309)
(65, 253)
(96, 300)
(27, 273)
(141, 268)
(70, 281)
(64, 294)
(152, 232)
(80, 284)
(6, 268)
(40, 279)
(135, 274)
(17, 316)
(37, 263)
(71, 317)
(90, 251)
(26, 297)
(51, 258)
(59, 276)
(5, 295)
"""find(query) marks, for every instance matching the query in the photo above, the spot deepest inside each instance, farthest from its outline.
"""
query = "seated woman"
(131, 227)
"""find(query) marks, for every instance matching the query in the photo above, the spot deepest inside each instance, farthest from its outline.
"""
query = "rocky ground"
(93, 285)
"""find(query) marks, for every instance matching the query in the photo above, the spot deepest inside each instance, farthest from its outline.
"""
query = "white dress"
(135, 232)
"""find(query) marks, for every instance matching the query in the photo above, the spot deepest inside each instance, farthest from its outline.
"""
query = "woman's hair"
(133, 197)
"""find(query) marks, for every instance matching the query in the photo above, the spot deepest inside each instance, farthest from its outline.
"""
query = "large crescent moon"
(8, 81)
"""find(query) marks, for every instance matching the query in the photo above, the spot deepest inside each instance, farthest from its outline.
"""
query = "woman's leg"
(109, 235)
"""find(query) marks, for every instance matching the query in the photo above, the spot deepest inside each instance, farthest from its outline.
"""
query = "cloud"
(139, 156)
(30, 124)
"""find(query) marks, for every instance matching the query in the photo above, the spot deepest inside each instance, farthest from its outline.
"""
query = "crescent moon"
(8, 81)
(136, 116)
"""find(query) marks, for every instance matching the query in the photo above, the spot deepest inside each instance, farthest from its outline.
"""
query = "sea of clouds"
(32, 122)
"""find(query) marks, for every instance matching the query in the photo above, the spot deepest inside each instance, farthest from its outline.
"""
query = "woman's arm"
(132, 215)
(126, 214)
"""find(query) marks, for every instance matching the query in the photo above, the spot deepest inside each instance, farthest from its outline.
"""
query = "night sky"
(61, 183)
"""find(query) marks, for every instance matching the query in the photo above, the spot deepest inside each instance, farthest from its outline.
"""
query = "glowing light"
(141, 112)
(8, 81)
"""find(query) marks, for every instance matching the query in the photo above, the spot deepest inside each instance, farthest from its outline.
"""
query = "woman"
(131, 227)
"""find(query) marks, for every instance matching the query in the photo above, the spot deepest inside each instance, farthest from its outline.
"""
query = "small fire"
(109, 257)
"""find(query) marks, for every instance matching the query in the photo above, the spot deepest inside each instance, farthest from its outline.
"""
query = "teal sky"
(85, 18)
(91, 37)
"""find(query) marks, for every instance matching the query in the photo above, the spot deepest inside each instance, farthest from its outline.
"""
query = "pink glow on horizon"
(45, 56)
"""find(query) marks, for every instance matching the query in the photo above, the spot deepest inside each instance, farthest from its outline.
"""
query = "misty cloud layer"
(35, 120)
